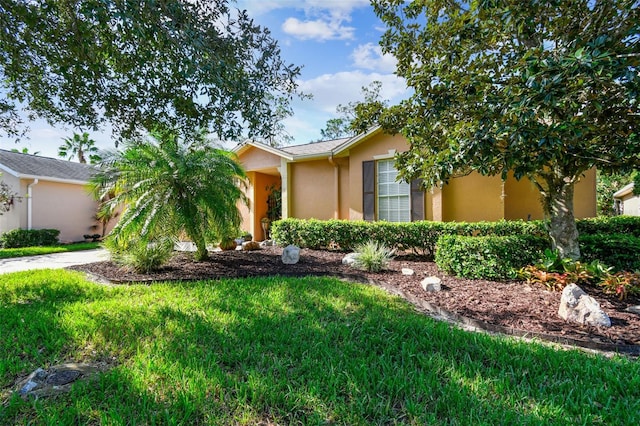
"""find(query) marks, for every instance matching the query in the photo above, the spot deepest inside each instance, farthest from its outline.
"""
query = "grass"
(286, 351)
(35, 251)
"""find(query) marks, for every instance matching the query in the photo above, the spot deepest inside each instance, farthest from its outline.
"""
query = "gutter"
(30, 203)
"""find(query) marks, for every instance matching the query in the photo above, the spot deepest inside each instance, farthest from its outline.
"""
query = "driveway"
(52, 261)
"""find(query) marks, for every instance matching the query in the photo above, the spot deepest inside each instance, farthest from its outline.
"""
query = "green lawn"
(35, 251)
(286, 351)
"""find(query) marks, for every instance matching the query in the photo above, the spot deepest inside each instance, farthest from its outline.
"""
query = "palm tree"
(79, 145)
(169, 186)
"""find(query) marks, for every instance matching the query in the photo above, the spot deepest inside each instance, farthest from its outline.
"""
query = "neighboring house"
(625, 202)
(355, 178)
(52, 194)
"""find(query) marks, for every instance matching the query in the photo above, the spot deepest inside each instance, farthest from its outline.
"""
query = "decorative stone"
(634, 309)
(576, 306)
(291, 255)
(350, 258)
(250, 246)
(432, 283)
(408, 271)
(57, 379)
(266, 243)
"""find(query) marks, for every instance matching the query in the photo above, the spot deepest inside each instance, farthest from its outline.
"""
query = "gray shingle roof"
(314, 147)
(45, 167)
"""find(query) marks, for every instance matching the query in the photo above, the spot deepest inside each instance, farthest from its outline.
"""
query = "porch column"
(436, 204)
(284, 186)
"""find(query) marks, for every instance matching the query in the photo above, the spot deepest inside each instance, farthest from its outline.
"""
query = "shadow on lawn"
(315, 351)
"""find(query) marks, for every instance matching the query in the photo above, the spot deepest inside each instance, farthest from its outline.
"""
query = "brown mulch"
(514, 307)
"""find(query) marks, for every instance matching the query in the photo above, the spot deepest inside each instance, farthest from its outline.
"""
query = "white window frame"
(393, 198)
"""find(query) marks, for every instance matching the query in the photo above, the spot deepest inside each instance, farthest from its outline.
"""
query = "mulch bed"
(513, 307)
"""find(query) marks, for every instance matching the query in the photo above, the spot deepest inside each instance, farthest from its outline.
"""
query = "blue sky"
(335, 42)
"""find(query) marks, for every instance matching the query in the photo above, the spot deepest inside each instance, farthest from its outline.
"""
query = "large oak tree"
(543, 89)
(181, 64)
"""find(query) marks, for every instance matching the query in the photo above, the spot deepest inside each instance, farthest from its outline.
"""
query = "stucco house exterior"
(52, 194)
(625, 202)
(355, 178)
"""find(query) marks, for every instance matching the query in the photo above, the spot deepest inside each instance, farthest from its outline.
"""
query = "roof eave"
(356, 140)
(625, 190)
(239, 149)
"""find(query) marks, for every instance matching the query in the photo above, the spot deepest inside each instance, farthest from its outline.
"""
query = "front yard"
(285, 351)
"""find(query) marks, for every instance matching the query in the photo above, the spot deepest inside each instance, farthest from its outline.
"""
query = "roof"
(320, 149)
(625, 190)
(314, 148)
(35, 167)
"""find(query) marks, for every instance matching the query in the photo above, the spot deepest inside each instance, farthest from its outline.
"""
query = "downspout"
(336, 187)
(30, 203)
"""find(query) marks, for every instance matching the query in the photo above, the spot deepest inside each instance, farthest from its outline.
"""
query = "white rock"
(349, 258)
(407, 271)
(634, 309)
(266, 243)
(432, 283)
(576, 306)
(291, 255)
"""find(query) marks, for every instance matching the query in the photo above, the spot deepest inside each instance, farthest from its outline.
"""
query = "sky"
(334, 41)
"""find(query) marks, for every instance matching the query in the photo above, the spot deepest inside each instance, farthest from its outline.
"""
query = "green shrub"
(18, 238)
(629, 225)
(141, 256)
(372, 256)
(620, 251)
(488, 257)
(419, 237)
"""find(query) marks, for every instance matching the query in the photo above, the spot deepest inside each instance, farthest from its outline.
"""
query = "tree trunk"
(562, 229)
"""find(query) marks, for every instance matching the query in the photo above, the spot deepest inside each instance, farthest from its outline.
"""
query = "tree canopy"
(79, 145)
(357, 116)
(181, 64)
(545, 90)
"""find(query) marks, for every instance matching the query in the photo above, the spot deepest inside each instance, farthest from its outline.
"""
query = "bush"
(372, 257)
(18, 238)
(419, 237)
(629, 225)
(620, 251)
(488, 257)
(141, 256)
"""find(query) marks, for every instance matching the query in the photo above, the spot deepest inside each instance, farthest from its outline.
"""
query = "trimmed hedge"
(610, 225)
(420, 237)
(18, 238)
(488, 257)
(620, 251)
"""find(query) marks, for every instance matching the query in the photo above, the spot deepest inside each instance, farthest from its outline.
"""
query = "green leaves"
(169, 187)
(181, 64)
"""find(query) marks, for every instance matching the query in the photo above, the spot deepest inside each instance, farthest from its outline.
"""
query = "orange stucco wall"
(472, 198)
(378, 145)
(63, 206)
(312, 190)
(257, 184)
(254, 159)
(584, 198)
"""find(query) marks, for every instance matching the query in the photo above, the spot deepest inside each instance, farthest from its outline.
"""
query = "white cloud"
(258, 7)
(329, 90)
(318, 29)
(369, 56)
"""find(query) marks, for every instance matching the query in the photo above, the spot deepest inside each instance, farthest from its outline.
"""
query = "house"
(355, 178)
(52, 194)
(626, 202)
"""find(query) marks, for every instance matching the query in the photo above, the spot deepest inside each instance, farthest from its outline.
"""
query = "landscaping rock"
(576, 306)
(266, 243)
(57, 379)
(432, 283)
(408, 271)
(349, 259)
(250, 246)
(634, 309)
(291, 255)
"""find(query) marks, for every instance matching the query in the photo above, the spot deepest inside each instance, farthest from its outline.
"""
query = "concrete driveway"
(52, 261)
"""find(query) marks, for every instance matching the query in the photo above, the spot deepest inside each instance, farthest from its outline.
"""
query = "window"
(393, 197)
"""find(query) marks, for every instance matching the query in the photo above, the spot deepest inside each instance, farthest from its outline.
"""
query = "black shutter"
(417, 200)
(369, 190)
